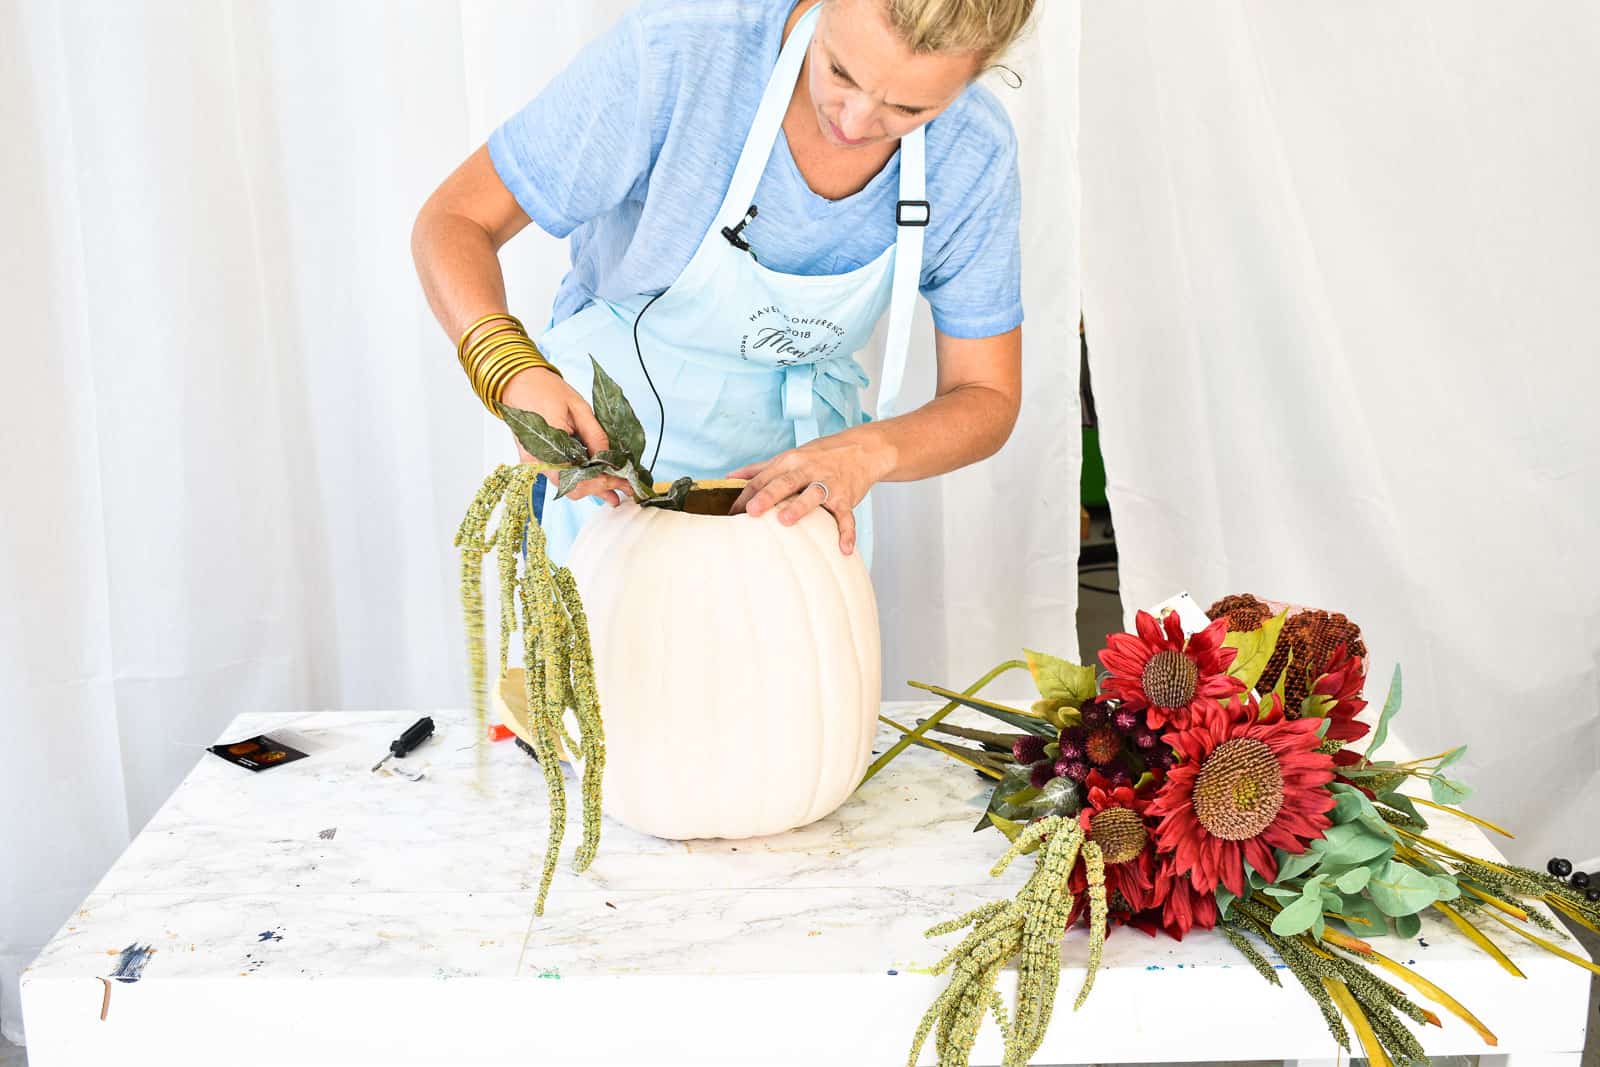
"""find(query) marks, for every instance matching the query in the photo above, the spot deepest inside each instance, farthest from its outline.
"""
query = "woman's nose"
(854, 119)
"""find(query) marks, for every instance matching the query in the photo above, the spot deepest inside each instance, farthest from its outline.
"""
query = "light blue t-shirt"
(630, 150)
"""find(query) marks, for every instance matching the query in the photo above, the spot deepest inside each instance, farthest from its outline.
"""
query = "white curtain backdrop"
(236, 445)
(1340, 276)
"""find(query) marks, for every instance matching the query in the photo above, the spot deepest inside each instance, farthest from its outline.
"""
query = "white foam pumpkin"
(738, 666)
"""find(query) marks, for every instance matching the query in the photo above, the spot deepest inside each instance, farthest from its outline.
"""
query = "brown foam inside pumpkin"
(710, 498)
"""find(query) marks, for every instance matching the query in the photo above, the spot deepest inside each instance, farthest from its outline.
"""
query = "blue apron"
(748, 361)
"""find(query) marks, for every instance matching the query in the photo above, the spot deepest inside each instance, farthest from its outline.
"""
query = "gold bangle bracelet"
(490, 381)
(461, 344)
(481, 344)
(493, 347)
(494, 391)
(480, 359)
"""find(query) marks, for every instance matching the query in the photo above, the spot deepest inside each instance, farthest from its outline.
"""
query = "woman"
(748, 184)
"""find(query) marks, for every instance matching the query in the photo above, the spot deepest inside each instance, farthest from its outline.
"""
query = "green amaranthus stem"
(557, 658)
(1030, 925)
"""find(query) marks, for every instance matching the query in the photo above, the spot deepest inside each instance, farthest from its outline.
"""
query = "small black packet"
(258, 753)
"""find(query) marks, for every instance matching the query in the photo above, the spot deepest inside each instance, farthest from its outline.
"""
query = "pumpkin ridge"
(819, 744)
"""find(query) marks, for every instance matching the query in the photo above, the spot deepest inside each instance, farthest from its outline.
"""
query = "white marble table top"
(319, 913)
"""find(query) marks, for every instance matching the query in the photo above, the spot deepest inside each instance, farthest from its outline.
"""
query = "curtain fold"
(1339, 273)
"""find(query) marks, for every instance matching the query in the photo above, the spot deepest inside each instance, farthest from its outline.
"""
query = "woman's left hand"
(790, 483)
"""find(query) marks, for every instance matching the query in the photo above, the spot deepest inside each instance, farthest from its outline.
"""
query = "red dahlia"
(1157, 669)
(1247, 783)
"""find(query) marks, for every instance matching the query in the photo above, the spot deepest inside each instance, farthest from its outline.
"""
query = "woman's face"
(867, 87)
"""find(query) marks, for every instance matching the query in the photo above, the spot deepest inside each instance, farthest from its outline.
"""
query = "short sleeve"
(974, 282)
(577, 149)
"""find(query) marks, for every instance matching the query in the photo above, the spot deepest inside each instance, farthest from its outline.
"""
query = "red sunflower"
(1113, 817)
(1157, 669)
(1183, 907)
(1248, 782)
(1336, 695)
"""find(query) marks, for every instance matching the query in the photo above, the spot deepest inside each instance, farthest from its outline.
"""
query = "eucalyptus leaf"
(1299, 916)
(1350, 845)
(544, 442)
(1359, 907)
(1346, 807)
(1254, 649)
(1447, 887)
(1391, 704)
(1398, 889)
(616, 416)
(1448, 790)
(1451, 756)
(1282, 892)
(1318, 926)
(1224, 899)
(1060, 680)
(1354, 880)
(1408, 925)
(1292, 865)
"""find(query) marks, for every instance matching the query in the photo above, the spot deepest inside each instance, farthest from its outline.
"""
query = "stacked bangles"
(501, 350)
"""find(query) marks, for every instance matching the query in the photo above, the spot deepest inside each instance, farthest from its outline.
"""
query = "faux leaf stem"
(901, 745)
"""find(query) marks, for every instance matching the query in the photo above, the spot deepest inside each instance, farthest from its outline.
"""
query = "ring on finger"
(825, 491)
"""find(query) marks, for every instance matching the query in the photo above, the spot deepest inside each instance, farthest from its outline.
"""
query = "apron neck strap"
(769, 119)
(912, 215)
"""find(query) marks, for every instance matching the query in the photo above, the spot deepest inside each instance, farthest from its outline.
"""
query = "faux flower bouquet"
(1213, 780)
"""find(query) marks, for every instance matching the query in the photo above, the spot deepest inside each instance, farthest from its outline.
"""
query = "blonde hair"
(985, 27)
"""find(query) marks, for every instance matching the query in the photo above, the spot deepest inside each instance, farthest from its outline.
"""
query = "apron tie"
(836, 382)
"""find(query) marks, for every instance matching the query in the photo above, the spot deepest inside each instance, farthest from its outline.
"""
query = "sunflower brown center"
(1239, 789)
(1119, 832)
(1169, 679)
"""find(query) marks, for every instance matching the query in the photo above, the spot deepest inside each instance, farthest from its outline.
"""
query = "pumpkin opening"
(711, 501)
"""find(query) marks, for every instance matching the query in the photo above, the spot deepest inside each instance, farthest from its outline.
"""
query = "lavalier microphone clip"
(732, 233)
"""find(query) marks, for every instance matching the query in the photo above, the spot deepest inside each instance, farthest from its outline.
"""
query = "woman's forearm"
(456, 240)
(459, 270)
(965, 425)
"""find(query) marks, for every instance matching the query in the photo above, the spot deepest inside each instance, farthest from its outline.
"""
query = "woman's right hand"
(548, 394)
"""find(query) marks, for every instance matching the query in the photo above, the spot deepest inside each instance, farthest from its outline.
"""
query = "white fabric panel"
(976, 565)
(1340, 276)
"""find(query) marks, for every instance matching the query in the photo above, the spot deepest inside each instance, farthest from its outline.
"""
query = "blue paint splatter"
(130, 965)
(893, 971)
(269, 935)
(1153, 967)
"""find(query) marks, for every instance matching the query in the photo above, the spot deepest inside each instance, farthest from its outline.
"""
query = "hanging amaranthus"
(1030, 924)
(558, 662)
